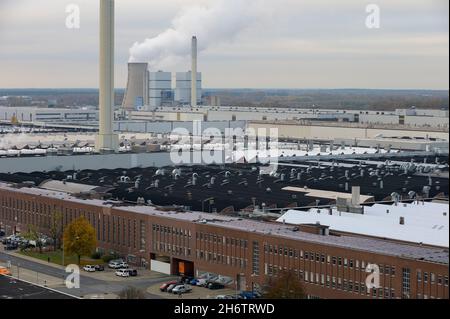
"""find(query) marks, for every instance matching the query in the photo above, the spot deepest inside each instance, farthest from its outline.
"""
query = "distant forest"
(335, 99)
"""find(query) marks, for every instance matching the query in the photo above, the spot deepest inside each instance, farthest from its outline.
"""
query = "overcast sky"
(270, 44)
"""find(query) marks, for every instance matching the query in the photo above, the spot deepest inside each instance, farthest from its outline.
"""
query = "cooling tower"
(106, 139)
(136, 95)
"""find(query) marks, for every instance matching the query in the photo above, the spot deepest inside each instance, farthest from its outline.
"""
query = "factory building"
(160, 89)
(148, 90)
(184, 87)
(245, 253)
(38, 114)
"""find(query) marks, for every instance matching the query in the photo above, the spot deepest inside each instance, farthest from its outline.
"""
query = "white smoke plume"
(219, 22)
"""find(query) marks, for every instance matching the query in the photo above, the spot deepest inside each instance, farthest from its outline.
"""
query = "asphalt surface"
(11, 288)
(88, 286)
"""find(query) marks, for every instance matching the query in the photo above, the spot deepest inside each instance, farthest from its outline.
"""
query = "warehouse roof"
(438, 255)
(426, 223)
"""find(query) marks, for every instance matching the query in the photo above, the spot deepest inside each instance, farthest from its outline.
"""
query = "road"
(88, 286)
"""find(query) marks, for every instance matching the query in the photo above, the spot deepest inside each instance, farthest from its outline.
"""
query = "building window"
(255, 261)
(406, 283)
(433, 278)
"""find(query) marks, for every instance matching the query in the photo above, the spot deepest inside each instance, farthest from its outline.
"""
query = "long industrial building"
(221, 220)
(330, 264)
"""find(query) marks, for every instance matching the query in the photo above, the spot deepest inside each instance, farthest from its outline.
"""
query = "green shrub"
(108, 258)
(97, 255)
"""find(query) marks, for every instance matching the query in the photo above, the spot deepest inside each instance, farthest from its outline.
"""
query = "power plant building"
(184, 88)
(160, 89)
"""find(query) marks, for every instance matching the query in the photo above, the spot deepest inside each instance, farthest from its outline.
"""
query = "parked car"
(2, 233)
(114, 264)
(186, 279)
(166, 285)
(194, 282)
(182, 289)
(225, 297)
(122, 273)
(215, 286)
(202, 282)
(89, 268)
(99, 267)
(133, 272)
(6, 241)
(117, 265)
(12, 246)
(249, 295)
(171, 287)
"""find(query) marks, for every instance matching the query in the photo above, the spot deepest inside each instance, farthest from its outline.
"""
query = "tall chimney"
(194, 73)
(106, 139)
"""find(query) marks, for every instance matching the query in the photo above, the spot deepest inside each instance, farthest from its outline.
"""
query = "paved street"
(95, 285)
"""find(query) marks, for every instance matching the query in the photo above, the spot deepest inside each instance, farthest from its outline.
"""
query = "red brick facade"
(326, 270)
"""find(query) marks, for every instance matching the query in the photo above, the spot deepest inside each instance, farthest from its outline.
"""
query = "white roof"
(67, 187)
(426, 223)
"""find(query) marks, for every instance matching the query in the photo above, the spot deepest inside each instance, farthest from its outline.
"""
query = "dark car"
(250, 295)
(186, 279)
(6, 241)
(12, 246)
(2, 233)
(215, 286)
(99, 268)
(132, 272)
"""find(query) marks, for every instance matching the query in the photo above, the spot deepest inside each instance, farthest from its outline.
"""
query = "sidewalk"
(106, 275)
(36, 260)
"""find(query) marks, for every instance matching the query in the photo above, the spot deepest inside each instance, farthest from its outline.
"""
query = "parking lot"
(196, 293)
(103, 284)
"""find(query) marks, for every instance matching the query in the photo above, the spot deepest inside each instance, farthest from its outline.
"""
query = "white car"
(202, 282)
(118, 265)
(122, 273)
(89, 268)
(181, 289)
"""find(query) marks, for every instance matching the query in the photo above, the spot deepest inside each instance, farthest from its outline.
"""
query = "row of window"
(213, 238)
(337, 283)
(323, 258)
(171, 230)
(222, 259)
(432, 278)
(172, 249)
